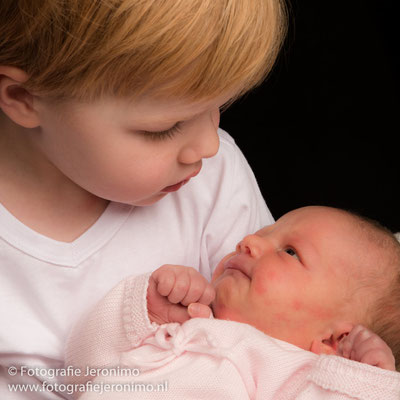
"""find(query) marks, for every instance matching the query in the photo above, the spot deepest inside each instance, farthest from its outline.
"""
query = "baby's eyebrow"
(307, 250)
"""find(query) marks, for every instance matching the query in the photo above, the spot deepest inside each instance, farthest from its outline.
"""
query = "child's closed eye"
(162, 135)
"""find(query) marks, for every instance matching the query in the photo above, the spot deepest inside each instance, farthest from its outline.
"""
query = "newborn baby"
(292, 304)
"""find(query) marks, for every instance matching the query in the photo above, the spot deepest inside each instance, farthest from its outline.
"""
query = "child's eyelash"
(161, 135)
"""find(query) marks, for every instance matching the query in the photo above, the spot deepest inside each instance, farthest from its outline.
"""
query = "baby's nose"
(251, 245)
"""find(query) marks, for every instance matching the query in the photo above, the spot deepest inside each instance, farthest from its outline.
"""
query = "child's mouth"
(174, 188)
(177, 186)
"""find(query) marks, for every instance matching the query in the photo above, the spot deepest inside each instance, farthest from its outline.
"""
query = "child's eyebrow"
(155, 125)
(163, 123)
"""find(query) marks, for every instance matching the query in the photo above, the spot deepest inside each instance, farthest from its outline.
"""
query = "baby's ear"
(328, 342)
(15, 101)
(326, 346)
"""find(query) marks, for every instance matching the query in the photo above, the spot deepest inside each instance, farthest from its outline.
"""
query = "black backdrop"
(323, 128)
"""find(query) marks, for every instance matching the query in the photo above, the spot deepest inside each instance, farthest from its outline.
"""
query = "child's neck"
(37, 193)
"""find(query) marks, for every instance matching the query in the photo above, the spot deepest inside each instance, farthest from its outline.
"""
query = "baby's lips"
(240, 263)
(220, 267)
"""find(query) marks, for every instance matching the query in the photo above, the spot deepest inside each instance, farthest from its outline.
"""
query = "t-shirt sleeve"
(240, 208)
(119, 322)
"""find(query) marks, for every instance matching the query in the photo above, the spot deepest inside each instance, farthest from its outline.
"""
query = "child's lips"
(173, 188)
(177, 186)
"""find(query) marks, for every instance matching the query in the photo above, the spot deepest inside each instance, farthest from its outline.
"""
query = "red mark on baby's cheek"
(264, 281)
(297, 305)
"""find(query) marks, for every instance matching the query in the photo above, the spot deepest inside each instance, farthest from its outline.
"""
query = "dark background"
(323, 128)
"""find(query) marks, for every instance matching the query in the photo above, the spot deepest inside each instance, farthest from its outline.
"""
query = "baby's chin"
(220, 311)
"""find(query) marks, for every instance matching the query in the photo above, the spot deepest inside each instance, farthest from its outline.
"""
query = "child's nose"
(253, 245)
(203, 143)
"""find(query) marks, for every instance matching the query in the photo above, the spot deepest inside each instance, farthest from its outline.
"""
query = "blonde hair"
(194, 49)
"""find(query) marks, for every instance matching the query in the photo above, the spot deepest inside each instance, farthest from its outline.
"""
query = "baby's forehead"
(333, 231)
(322, 218)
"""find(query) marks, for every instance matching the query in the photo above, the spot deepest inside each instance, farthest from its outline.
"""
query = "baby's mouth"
(239, 263)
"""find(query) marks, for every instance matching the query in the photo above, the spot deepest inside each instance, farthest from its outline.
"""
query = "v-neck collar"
(62, 253)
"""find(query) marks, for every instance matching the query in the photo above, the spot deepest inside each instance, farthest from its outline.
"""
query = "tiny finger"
(165, 282)
(180, 288)
(198, 310)
(208, 295)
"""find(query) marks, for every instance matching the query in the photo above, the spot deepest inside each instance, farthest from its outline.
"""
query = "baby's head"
(311, 276)
(193, 49)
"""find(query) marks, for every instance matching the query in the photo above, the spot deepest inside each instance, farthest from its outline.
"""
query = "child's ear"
(15, 101)
(328, 342)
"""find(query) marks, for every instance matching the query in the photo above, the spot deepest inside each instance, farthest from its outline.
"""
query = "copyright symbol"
(12, 371)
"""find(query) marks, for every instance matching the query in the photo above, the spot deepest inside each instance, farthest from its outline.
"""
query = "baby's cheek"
(313, 311)
(263, 282)
(321, 313)
(297, 305)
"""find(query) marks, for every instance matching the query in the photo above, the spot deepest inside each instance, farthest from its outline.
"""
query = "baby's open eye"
(292, 252)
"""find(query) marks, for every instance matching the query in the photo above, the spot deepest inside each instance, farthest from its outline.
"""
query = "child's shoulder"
(225, 138)
(230, 162)
(228, 146)
(229, 151)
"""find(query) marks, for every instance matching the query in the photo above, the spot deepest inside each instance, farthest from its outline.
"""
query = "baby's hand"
(172, 288)
(365, 346)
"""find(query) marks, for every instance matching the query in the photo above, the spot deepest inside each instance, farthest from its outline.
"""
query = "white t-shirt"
(46, 285)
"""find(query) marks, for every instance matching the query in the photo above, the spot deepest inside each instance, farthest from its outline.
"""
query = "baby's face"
(291, 279)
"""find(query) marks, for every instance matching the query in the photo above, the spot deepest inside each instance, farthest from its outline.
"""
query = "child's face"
(291, 279)
(103, 146)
